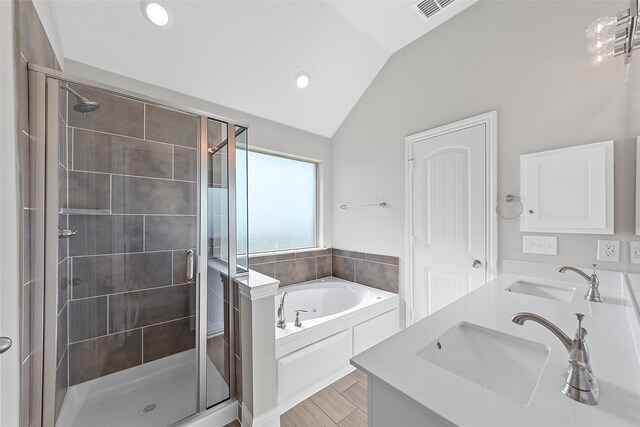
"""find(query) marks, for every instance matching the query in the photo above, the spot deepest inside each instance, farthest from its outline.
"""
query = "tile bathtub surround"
(378, 271)
(133, 199)
(294, 267)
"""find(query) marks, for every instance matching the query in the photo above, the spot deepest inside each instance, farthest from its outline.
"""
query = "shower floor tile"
(145, 396)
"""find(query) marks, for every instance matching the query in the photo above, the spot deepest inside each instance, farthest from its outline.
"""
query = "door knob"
(476, 263)
(5, 344)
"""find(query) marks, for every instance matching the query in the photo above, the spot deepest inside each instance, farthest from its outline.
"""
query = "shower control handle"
(190, 266)
(5, 344)
(65, 233)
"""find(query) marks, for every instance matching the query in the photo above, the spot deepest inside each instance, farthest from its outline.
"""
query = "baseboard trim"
(268, 419)
(221, 415)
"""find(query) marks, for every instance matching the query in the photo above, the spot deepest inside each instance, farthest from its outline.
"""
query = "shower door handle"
(190, 266)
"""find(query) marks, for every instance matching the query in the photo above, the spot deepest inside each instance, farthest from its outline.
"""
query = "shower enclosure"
(141, 231)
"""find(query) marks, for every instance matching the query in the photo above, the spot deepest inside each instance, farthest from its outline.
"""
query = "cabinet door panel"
(568, 190)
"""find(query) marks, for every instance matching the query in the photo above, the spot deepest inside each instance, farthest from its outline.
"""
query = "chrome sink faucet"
(593, 294)
(282, 322)
(578, 381)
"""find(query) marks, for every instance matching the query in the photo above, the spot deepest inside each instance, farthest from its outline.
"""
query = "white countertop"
(614, 360)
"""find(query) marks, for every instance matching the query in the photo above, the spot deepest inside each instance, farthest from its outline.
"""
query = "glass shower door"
(122, 229)
(227, 256)
(218, 360)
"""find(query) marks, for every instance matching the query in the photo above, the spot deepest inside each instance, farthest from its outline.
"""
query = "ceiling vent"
(428, 8)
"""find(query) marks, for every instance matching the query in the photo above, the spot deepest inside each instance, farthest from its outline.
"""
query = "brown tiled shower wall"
(378, 271)
(132, 197)
(32, 46)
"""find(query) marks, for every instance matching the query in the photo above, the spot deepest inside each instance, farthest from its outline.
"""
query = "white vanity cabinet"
(569, 190)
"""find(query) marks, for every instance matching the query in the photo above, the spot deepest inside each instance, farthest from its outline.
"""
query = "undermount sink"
(505, 364)
(558, 293)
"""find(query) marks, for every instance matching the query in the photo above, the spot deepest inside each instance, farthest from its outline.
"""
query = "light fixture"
(614, 36)
(156, 13)
(603, 44)
(302, 79)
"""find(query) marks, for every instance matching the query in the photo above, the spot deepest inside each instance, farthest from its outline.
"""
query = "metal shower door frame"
(43, 123)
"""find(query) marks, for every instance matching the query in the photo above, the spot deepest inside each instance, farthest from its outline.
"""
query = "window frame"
(319, 219)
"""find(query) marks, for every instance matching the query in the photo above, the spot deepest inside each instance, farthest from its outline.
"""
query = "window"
(282, 203)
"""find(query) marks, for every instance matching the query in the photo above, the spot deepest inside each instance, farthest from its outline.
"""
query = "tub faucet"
(578, 381)
(593, 294)
(282, 322)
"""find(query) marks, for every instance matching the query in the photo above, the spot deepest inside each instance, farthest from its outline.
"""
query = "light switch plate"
(634, 252)
(545, 245)
(609, 250)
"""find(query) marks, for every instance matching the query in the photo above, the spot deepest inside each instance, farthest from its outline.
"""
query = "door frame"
(490, 120)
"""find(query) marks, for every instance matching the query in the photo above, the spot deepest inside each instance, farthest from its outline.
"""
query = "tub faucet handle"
(298, 322)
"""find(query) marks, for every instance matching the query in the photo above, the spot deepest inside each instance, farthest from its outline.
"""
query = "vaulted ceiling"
(245, 54)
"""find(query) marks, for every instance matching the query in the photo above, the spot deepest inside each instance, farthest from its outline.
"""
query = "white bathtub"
(343, 319)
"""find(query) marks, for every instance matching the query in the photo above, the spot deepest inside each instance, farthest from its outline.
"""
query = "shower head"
(84, 105)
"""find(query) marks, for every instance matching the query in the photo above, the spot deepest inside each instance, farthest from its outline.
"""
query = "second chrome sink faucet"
(593, 294)
(578, 381)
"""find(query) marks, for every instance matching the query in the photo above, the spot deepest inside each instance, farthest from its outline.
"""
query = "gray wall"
(525, 59)
(33, 46)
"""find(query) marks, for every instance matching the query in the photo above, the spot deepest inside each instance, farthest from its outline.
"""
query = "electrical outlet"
(609, 250)
(634, 252)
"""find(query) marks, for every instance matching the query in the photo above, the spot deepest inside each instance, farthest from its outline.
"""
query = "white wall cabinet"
(569, 190)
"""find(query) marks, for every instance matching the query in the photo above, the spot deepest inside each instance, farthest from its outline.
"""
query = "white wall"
(263, 133)
(525, 59)
(11, 206)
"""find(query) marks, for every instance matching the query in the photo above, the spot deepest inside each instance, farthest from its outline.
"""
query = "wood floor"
(342, 404)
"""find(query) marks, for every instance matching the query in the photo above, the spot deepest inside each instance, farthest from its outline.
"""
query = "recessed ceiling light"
(302, 79)
(156, 13)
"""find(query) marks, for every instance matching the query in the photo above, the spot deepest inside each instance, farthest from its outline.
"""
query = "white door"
(448, 217)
